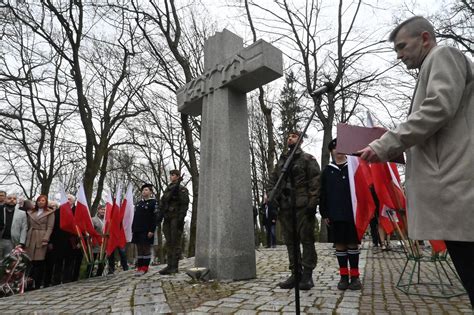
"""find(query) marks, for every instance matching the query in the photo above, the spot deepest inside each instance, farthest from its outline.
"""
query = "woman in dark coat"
(143, 228)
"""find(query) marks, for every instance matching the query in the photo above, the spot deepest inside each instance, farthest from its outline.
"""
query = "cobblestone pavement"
(124, 293)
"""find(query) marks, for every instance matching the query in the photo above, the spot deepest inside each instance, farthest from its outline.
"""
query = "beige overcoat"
(439, 139)
(39, 229)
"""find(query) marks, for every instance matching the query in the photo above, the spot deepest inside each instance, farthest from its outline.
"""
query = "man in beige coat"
(439, 139)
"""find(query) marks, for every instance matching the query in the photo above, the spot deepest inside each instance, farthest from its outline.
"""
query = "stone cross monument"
(225, 228)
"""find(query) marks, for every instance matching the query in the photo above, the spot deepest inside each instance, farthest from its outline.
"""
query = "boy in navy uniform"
(336, 210)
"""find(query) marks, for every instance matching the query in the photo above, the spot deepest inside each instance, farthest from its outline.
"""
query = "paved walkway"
(125, 294)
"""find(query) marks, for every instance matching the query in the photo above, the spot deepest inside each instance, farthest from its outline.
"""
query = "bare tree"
(34, 111)
(334, 57)
(179, 60)
(455, 24)
(99, 69)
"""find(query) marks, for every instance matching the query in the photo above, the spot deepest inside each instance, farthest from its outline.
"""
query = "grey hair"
(415, 26)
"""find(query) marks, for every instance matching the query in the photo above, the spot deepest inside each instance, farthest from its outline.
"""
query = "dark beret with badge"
(150, 186)
(332, 144)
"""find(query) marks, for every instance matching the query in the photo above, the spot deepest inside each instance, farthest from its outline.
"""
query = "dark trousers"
(123, 260)
(374, 231)
(72, 265)
(462, 255)
(271, 237)
(37, 272)
(55, 269)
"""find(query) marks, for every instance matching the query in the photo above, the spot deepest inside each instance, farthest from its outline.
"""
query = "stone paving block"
(203, 309)
(230, 305)
(269, 307)
(232, 299)
(246, 312)
(223, 310)
(343, 310)
(212, 303)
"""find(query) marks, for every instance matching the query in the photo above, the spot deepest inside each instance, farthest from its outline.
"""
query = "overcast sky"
(377, 17)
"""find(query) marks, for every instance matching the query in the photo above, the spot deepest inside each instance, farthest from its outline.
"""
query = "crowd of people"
(437, 136)
(57, 256)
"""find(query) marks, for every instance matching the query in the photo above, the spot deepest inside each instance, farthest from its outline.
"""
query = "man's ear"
(426, 38)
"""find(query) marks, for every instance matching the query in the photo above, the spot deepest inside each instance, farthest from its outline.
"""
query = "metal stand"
(441, 285)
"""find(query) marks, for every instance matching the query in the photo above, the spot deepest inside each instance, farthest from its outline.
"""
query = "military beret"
(332, 144)
(175, 172)
(146, 186)
(295, 132)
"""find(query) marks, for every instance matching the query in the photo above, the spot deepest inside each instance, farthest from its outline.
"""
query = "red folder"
(351, 139)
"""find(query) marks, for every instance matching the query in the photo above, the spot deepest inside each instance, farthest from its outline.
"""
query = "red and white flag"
(389, 192)
(66, 217)
(83, 217)
(109, 204)
(116, 231)
(363, 204)
(128, 213)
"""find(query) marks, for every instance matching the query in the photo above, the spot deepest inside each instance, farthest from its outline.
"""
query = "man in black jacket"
(269, 221)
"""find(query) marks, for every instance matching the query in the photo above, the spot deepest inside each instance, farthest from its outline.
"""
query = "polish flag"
(83, 217)
(66, 217)
(128, 210)
(388, 189)
(116, 231)
(363, 204)
(390, 194)
(109, 204)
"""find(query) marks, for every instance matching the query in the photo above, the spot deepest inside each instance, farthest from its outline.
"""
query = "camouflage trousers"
(173, 231)
(305, 225)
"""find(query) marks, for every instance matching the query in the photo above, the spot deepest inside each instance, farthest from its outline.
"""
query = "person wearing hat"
(143, 228)
(335, 207)
(174, 206)
(306, 173)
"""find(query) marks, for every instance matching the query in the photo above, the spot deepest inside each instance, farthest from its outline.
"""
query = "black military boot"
(343, 283)
(288, 283)
(172, 266)
(355, 284)
(165, 271)
(306, 281)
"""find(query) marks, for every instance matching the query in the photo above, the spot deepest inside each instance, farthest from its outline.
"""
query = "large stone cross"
(225, 225)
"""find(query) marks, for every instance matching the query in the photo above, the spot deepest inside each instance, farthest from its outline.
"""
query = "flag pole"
(411, 246)
(89, 247)
(81, 238)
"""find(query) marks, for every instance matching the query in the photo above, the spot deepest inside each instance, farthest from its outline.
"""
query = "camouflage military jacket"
(175, 200)
(306, 172)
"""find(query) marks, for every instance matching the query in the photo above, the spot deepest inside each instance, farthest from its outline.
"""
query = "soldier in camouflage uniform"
(173, 208)
(306, 172)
